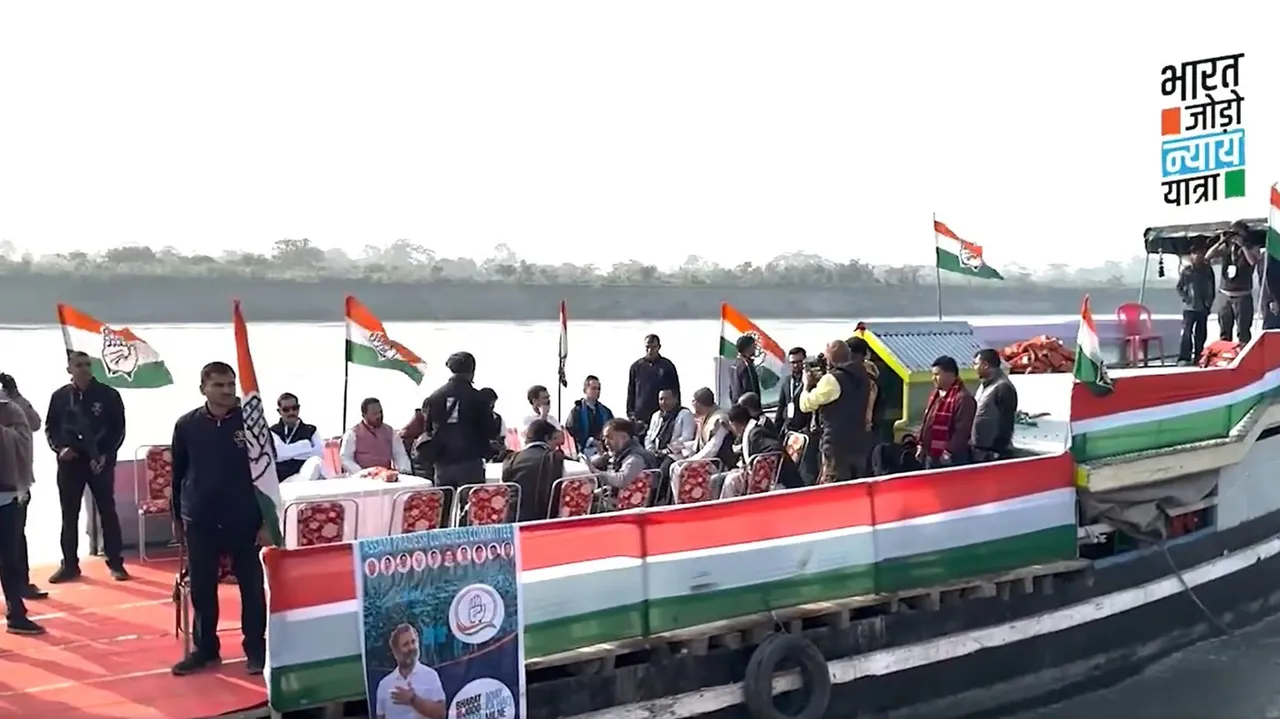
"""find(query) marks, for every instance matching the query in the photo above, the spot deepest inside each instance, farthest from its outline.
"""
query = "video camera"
(817, 363)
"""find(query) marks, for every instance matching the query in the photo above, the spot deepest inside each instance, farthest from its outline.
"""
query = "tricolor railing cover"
(619, 576)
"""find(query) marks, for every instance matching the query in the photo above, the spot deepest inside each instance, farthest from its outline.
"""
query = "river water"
(1228, 678)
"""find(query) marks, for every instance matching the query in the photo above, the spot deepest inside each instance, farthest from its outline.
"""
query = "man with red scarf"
(948, 418)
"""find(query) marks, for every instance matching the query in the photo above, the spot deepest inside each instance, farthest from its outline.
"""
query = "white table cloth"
(373, 497)
(493, 470)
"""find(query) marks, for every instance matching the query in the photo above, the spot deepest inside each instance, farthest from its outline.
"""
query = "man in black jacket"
(744, 378)
(534, 469)
(787, 416)
(1197, 289)
(649, 375)
(215, 512)
(460, 422)
(85, 428)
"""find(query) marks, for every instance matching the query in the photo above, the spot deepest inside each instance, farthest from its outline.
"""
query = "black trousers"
(73, 478)
(24, 558)
(1195, 331)
(810, 461)
(1236, 312)
(205, 544)
(11, 561)
(458, 474)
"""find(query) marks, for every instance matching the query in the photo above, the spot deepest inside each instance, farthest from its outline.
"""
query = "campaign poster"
(440, 619)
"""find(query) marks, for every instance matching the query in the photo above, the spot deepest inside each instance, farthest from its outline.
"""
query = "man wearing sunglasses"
(299, 450)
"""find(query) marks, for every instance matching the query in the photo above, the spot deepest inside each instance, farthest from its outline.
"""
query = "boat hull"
(989, 657)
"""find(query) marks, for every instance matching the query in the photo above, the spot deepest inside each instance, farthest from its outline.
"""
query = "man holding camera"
(839, 397)
(1236, 286)
(85, 428)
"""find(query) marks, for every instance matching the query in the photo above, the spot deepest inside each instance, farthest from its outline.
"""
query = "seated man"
(299, 450)
(372, 443)
(751, 401)
(540, 404)
(625, 458)
(672, 428)
(756, 437)
(671, 434)
(587, 418)
(997, 401)
(712, 438)
(535, 468)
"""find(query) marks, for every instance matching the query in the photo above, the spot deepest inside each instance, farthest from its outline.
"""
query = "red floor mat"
(108, 652)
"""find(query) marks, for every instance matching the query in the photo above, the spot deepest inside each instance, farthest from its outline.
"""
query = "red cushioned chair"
(1139, 334)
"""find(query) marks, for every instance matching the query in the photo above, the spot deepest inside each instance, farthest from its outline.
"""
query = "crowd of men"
(831, 399)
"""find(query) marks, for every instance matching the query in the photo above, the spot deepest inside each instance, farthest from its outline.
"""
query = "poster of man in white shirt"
(413, 690)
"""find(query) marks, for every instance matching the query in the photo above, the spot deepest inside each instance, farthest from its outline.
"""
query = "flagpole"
(346, 381)
(937, 269)
(562, 355)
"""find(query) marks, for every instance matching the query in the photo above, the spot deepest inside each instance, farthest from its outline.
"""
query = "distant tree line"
(405, 261)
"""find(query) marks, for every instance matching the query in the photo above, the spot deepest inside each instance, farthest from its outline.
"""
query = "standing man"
(839, 399)
(788, 416)
(744, 378)
(649, 375)
(948, 418)
(9, 391)
(461, 422)
(15, 483)
(215, 513)
(1196, 287)
(997, 409)
(85, 428)
(1238, 261)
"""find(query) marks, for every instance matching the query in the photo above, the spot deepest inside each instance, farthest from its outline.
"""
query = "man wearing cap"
(1236, 286)
(460, 422)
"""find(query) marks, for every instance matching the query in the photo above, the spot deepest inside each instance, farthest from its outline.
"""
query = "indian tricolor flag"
(1090, 369)
(961, 256)
(119, 357)
(369, 346)
(258, 446)
(771, 362)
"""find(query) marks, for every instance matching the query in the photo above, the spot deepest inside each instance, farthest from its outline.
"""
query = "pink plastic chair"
(1139, 334)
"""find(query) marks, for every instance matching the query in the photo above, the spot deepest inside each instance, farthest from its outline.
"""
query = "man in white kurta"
(413, 690)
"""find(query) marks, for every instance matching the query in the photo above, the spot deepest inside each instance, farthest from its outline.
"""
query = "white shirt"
(682, 436)
(422, 679)
(297, 450)
(347, 450)
(524, 425)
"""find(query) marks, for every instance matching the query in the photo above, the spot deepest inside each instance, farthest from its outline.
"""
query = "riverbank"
(30, 299)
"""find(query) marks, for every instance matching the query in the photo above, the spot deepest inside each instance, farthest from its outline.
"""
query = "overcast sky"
(600, 131)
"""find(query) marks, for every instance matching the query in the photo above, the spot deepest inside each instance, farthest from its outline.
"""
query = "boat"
(1129, 526)
(1133, 525)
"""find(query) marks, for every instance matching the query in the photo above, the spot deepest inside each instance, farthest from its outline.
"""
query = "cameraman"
(839, 397)
(1238, 263)
(85, 428)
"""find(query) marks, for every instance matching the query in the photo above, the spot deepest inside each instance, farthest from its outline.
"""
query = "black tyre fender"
(815, 677)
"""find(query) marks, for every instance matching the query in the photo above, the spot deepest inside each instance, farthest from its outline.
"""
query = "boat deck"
(109, 648)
